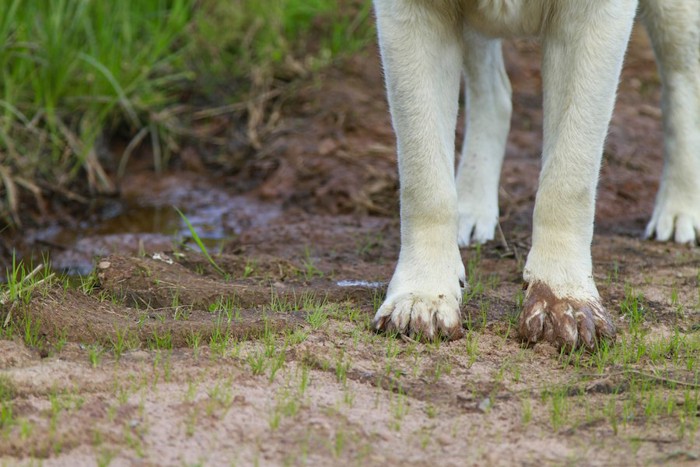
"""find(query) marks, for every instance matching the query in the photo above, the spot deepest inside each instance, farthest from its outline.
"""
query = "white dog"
(426, 45)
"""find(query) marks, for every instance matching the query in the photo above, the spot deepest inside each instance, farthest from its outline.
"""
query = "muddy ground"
(158, 358)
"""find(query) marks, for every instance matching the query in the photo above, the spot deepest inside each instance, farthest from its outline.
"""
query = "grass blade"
(199, 242)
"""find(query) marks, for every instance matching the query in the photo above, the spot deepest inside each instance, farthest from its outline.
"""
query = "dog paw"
(675, 217)
(420, 316)
(476, 224)
(564, 322)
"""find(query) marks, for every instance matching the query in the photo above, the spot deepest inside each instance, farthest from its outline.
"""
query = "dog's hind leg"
(674, 28)
(421, 54)
(583, 49)
(488, 98)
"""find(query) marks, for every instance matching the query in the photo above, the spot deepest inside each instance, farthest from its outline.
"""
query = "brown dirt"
(343, 395)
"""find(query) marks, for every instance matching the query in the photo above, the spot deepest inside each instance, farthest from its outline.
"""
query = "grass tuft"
(71, 71)
(78, 73)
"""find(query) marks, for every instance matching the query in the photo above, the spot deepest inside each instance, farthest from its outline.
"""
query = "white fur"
(425, 44)
(422, 61)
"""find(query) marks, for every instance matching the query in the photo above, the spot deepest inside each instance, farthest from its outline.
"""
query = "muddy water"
(144, 220)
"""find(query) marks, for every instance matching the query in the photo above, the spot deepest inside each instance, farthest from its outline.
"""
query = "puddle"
(370, 285)
(144, 221)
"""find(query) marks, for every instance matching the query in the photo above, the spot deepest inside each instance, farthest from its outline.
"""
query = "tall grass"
(70, 69)
(249, 40)
(73, 71)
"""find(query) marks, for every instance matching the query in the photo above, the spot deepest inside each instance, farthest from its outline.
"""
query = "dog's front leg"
(583, 45)
(422, 63)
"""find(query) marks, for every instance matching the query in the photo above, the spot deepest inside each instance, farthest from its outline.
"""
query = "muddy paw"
(564, 322)
(421, 317)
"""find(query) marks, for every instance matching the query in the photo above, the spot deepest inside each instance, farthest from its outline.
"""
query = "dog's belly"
(507, 18)
(495, 18)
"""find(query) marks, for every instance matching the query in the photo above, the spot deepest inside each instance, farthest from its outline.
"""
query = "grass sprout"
(199, 242)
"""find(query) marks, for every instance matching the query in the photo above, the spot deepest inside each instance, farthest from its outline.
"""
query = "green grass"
(7, 393)
(20, 282)
(161, 340)
(95, 353)
(15, 295)
(73, 69)
(77, 74)
(123, 341)
(258, 362)
(633, 308)
(199, 242)
(235, 36)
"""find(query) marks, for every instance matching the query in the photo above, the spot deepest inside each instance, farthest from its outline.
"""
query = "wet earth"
(262, 355)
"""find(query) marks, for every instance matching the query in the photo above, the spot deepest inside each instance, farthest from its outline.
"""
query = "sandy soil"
(147, 365)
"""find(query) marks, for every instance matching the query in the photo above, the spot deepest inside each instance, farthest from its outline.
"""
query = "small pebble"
(485, 405)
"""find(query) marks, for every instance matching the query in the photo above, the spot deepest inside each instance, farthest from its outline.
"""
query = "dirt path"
(159, 359)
